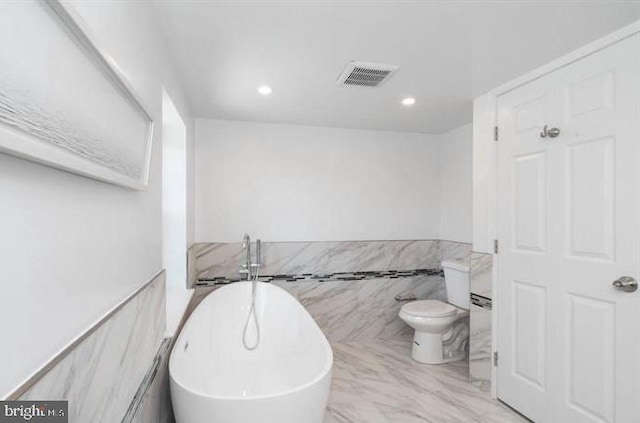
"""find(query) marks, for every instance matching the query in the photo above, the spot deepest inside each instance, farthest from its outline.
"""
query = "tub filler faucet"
(248, 266)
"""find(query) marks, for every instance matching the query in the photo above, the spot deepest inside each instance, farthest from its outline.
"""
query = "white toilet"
(441, 329)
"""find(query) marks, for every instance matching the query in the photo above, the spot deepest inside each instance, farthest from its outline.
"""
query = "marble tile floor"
(377, 382)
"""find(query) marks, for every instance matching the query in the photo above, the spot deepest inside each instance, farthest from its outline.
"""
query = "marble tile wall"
(224, 259)
(452, 250)
(363, 310)
(343, 309)
(481, 269)
(154, 404)
(480, 348)
(101, 375)
(480, 362)
(355, 310)
(324, 277)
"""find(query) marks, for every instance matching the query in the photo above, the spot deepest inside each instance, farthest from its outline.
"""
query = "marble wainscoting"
(481, 267)
(452, 250)
(480, 362)
(480, 348)
(102, 373)
(361, 310)
(214, 260)
(355, 310)
(345, 308)
(152, 403)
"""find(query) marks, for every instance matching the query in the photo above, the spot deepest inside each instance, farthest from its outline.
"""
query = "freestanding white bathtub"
(214, 379)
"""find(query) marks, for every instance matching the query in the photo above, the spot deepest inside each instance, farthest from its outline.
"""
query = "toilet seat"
(429, 308)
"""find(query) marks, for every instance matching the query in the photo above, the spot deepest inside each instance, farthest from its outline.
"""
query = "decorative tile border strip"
(327, 277)
(480, 301)
(216, 260)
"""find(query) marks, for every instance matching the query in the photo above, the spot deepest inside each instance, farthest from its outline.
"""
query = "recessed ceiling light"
(409, 101)
(265, 90)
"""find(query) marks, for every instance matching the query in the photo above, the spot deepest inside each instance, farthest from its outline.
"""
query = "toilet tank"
(456, 279)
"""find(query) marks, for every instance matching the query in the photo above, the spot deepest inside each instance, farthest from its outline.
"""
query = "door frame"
(485, 120)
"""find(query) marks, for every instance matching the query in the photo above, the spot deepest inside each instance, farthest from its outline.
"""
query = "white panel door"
(569, 225)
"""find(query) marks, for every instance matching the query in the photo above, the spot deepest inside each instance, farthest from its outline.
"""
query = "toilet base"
(428, 348)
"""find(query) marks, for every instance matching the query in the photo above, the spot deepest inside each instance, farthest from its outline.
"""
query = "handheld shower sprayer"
(253, 277)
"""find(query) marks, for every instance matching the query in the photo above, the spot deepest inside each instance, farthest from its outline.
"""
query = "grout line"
(326, 277)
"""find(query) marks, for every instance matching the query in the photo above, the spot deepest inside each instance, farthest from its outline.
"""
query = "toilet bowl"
(441, 329)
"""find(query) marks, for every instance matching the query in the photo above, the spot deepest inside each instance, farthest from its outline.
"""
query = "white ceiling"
(448, 53)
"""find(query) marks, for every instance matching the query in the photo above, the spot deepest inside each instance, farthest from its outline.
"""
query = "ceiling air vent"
(363, 74)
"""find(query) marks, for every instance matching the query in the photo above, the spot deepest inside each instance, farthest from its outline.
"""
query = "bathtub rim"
(326, 370)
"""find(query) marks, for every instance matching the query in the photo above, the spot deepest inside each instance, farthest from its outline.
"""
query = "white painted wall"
(484, 176)
(456, 185)
(191, 183)
(71, 247)
(174, 212)
(301, 183)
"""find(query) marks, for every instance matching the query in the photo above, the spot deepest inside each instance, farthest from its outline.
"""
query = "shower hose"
(252, 312)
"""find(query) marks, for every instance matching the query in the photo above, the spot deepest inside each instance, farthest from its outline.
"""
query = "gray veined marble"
(480, 362)
(375, 380)
(359, 310)
(452, 250)
(224, 259)
(209, 260)
(154, 402)
(378, 382)
(355, 310)
(481, 271)
(101, 375)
